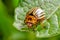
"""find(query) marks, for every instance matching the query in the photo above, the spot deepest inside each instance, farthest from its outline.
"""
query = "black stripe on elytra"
(42, 14)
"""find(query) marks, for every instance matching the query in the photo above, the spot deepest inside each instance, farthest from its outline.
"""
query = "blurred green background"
(7, 31)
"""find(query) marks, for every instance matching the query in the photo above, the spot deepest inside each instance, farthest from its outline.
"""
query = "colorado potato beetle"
(34, 16)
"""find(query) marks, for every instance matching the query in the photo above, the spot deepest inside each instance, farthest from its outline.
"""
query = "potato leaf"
(52, 22)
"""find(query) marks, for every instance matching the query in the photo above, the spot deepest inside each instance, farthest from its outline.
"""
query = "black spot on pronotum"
(30, 19)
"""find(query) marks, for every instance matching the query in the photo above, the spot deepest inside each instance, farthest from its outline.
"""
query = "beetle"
(34, 16)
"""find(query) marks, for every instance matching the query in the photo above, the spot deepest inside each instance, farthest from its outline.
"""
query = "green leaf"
(52, 22)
